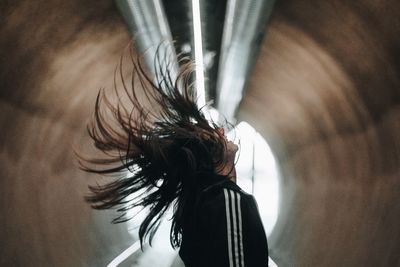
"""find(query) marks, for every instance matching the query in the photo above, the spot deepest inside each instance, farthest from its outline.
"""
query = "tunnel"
(324, 92)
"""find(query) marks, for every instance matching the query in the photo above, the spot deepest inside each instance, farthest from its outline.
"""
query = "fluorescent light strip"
(124, 255)
(198, 53)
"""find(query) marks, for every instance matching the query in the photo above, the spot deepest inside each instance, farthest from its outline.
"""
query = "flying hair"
(157, 145)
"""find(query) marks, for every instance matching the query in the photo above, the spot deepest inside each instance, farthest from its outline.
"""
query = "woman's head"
(231, 148)
(167, 151)
(226, 161)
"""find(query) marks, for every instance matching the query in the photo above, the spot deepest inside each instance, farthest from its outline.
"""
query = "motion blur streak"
(324, 93)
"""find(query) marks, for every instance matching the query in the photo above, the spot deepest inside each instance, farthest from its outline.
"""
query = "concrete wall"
(55, 55)
(325, 93)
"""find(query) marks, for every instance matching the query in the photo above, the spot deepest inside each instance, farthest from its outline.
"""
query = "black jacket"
(224, 230)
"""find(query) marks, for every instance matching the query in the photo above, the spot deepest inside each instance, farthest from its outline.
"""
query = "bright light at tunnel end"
(257, 172)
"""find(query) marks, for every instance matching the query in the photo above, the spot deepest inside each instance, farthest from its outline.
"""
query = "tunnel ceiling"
(324, 92)
(223, 37)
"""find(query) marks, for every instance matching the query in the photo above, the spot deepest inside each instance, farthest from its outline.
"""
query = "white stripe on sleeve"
(235, 229)
(228, 227)
(240, 231)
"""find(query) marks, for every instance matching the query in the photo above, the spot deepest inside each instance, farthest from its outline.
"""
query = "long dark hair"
(165, 153)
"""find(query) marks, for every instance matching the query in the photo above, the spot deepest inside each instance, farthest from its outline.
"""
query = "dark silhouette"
(171, 154)
(167, 152)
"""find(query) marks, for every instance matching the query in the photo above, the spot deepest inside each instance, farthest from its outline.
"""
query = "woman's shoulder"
(219, 187)
(220, 192)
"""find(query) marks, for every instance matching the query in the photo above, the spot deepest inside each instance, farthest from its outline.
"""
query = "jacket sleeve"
(232, 231)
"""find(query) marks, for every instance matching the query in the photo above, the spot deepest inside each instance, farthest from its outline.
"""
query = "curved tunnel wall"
(54, 58)
(326, 83)
(326, 88)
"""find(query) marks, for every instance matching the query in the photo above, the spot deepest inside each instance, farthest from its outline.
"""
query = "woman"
(167, 153)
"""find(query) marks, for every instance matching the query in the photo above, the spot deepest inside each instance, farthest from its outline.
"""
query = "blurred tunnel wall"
(55, 56)
(324, 93)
